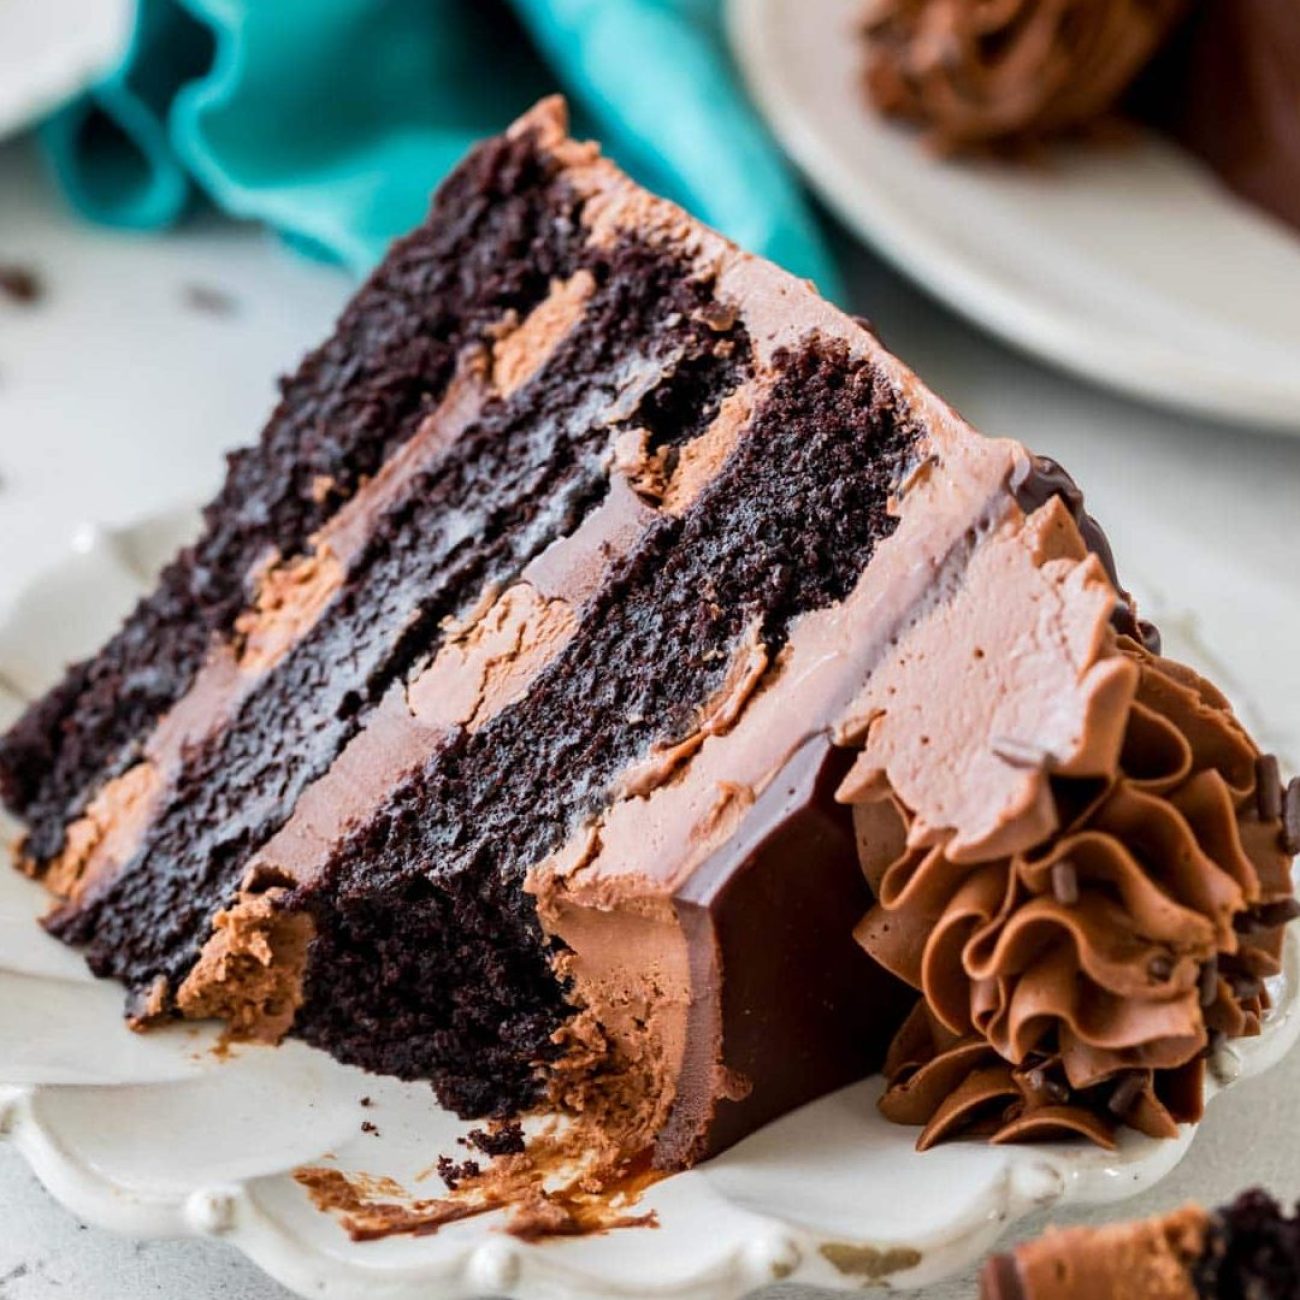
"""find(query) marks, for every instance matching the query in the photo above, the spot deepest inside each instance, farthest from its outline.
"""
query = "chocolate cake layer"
(501, 229)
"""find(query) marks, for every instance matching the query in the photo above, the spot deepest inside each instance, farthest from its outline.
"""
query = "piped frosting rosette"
(1087, 881)
(983, 72)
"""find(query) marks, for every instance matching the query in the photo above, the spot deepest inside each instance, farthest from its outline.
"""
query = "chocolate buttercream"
(993, 73)
(104, 836)
(1218, 76)
(1036, 482)
(522, 348)
(250, 972)
(1071, 985)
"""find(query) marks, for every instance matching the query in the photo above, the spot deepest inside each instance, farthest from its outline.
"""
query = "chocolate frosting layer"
(1073, 985)
(979, 73)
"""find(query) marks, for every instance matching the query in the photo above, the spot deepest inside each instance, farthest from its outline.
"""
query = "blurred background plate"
(1128, 265)
(50, 49)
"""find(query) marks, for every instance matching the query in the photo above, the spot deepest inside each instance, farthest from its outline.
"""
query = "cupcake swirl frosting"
(984, 72)
(1075, 984)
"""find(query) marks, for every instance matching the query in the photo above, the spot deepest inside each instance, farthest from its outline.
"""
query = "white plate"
(157, 1136)
(1131, 266)
(50, 49)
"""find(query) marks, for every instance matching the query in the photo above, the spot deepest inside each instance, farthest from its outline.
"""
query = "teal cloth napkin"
(333, 120)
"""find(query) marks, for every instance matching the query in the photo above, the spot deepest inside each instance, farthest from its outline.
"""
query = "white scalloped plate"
(158, 1135)
(1132, 266)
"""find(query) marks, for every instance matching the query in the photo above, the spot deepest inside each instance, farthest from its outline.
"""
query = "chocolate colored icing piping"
(1074, 985)
(975, 73)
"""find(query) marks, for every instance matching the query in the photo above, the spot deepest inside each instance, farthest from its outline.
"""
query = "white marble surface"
(117, 399)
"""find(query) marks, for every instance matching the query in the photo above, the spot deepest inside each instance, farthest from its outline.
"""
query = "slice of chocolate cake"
(1249, 1250)
(595, 599)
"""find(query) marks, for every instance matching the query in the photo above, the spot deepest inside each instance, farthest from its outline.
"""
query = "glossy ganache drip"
(982, 73)
(1078, 985)
(1033, 484)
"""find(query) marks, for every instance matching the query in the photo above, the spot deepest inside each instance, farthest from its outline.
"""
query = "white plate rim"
(1157, 375)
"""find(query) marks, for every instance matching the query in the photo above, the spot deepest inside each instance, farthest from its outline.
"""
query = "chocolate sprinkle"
(1019, 753)
(1266, 916)
(1291, 817)
(1039, 1081)
(1268, 788)
(1065, 883)
(1209, 983)
(1126, 1094)
(1149, 635)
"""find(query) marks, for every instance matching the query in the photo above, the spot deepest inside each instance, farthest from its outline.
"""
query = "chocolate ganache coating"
(982, 73)
(1074, 986)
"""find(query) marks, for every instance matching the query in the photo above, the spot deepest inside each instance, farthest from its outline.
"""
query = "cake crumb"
(505, 1139)
(454, 1174)
(20, 284)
